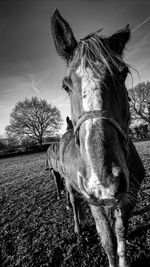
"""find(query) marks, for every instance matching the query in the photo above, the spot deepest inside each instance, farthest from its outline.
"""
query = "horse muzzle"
(94, 199)
(98, 194)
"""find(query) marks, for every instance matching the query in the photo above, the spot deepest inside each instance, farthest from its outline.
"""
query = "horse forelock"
(93, 59)
(95, 51)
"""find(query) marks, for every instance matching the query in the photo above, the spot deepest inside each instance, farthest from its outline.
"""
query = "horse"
(52, 163)
(97, 158)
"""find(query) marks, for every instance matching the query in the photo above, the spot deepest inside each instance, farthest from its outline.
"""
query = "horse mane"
(93, 49)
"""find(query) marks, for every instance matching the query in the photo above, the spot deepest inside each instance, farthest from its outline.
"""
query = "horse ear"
(119, 39)
(67, 119)
(64, 39)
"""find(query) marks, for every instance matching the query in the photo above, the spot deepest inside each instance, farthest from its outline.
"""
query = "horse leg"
(75, 214)
(121, 239)
(57, 183)
(104, 231)
(75, 209)
(81, 213)
(68, 205)
(136, 175)
(46, 164)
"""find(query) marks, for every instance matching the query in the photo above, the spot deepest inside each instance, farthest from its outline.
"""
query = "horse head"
(95, 82)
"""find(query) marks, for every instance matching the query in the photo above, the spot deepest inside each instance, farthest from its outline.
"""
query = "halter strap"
(102, 115)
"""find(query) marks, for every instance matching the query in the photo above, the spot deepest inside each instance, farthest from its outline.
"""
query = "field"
(36, 230)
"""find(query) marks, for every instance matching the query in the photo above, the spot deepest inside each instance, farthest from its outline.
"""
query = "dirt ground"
(36, 230)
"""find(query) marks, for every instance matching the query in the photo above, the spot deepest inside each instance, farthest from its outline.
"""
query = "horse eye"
(66, 88)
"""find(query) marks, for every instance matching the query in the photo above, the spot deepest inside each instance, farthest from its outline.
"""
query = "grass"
(37, 230)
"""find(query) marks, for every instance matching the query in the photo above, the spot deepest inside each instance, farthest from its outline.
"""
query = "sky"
(29, 64)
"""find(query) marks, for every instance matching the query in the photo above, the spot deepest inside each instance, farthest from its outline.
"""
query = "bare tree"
(140, 102)
(32, 118)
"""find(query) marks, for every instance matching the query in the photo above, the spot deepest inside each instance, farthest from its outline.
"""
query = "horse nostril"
(123, 185)
(121, 178)
(116, 171)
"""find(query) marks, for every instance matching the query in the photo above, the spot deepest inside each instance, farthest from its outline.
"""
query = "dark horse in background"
(52, 162)
(98, 159)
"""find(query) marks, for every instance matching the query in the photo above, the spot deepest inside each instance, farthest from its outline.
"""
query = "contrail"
(141, 24)
(34, 86)
(43, 78)
(35, 83)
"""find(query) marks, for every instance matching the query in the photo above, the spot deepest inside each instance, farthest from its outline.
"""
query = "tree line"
(33, 119)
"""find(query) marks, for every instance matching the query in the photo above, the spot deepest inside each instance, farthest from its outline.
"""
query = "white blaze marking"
(91, 100)
(94, 183)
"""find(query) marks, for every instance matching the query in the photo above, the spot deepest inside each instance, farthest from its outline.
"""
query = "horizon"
(29, 62)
